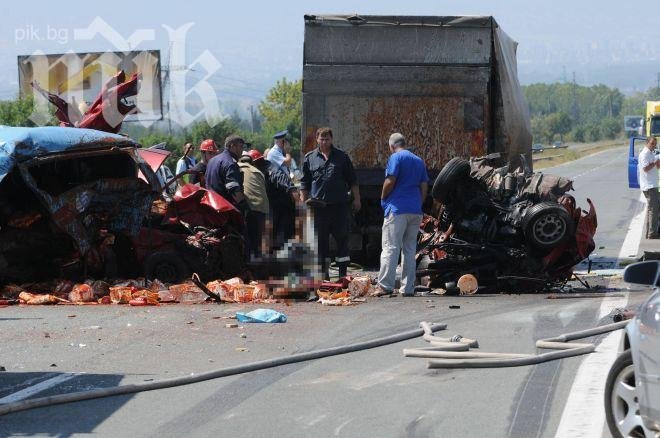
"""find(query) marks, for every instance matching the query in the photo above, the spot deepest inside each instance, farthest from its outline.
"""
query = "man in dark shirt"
(223, 175)
(328, 176)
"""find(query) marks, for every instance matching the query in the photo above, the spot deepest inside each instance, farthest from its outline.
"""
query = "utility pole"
(575, 110)
(252, 118)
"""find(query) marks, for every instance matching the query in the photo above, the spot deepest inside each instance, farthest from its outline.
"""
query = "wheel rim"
(549, 229)
(625, 405)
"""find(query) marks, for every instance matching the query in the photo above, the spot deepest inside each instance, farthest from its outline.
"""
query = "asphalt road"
(370, 393)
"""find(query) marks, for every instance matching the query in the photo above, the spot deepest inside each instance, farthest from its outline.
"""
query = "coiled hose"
(446, 356)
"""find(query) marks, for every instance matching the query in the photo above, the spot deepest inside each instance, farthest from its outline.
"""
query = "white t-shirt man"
(647, 180)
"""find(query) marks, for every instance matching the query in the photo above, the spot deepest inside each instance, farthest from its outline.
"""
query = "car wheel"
(621, 402)
(166, 266)
(455, 170)
(547, 225)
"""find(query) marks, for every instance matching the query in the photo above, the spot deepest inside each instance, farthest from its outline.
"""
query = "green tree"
(282, 109)
(17, 113)
(559, 124)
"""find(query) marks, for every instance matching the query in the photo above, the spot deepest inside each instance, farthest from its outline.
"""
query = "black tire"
(456, 170)
(166, 266)
(622, 371)
(547, 225)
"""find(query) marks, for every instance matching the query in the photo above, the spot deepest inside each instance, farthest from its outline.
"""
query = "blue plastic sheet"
(261, 315)
(19, 144)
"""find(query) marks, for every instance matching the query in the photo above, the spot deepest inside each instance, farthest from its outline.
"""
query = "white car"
(632, 390)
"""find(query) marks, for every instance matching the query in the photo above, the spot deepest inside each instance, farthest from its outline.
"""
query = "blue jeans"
(399, 236)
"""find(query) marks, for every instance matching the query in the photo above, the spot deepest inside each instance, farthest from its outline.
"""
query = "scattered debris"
(454, 306)
(231, 325)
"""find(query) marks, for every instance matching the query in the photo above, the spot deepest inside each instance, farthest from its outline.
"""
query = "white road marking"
(35, 389)
(584, 415)
(617, 159)
(630, 244)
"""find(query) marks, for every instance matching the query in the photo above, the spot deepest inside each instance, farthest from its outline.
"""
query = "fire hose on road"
(452, 351)
(445, 354)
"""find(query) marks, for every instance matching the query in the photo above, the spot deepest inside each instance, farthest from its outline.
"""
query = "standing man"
(223, 175)
(208, 150)
(254, 184)
(283, 190)
(277, 155)
(186, 162)
(328, 176)
(647, 171)
(404, 191)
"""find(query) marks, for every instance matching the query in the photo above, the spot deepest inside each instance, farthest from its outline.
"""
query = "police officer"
(278, 156)
(328, 176)
(224, 176)
(282, 191)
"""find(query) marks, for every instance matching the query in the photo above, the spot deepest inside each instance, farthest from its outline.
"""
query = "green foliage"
(282, 109)
(581, 113)
(218, 130)
(17, 113)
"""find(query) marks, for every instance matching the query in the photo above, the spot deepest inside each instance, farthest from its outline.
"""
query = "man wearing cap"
(283, 191)
(404, 191)
(208, 150)
(254, 186)
(224, 176)
(186, 162)
(277, 155)
(328, 176)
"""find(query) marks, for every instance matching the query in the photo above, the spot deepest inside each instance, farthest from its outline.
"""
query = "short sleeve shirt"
(647, 180)
(409, 171)
(276, 158)
(328, 180)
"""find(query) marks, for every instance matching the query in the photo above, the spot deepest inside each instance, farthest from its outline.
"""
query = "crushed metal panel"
(118, 205)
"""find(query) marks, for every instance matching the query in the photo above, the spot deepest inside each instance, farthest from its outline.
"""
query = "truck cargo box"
(449, 84)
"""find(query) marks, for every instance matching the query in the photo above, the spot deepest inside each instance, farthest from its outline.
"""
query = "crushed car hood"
(19, 144)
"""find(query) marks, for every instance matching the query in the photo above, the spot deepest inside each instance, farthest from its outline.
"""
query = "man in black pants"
(328, 176)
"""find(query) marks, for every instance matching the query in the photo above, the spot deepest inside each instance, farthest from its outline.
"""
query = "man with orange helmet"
(208, 150)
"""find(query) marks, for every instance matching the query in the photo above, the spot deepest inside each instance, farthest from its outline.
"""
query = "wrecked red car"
(510, 228)
(78, 203)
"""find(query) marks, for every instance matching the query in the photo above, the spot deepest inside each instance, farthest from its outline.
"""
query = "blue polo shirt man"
(404, 191)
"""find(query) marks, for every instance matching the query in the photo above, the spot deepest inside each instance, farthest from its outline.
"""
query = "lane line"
(584, 414)
(39, 387)
(633, 238)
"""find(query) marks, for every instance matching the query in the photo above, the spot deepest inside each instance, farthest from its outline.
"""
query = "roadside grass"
(555, 157)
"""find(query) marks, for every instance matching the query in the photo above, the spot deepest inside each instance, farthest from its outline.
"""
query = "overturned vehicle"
(78, 203)
(512, 229)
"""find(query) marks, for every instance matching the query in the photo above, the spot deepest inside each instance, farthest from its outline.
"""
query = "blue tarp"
(20, 144)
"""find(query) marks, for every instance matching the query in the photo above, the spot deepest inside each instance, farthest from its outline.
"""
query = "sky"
(258, 42)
